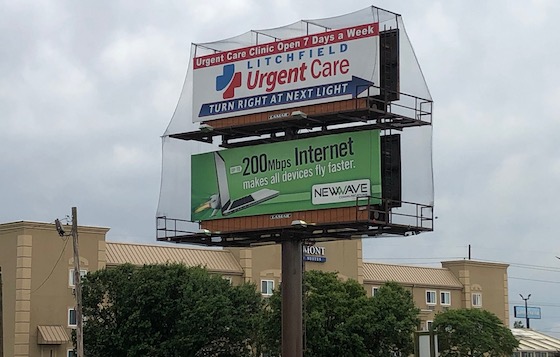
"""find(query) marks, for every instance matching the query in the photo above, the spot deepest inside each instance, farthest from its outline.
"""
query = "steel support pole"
(292, 306)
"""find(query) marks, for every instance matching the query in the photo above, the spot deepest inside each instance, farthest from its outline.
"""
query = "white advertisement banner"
(319, 68)
(339, 191)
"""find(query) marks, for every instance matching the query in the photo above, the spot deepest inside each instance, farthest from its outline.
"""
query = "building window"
(228, 278)
(429, 325)
(374, 290)
(267, 287)
(72, 319)
(445, 297)
(431, 297)
(71, 353)
(476, 299)
(71, 279)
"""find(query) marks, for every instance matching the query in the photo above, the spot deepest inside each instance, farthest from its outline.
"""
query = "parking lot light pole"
(526, 311)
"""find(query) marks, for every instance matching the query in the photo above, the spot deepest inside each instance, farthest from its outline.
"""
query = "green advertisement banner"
(316, 173)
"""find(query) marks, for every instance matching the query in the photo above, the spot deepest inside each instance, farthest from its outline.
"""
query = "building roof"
(530, 340)
(51, 335)
(140, 254)
(410, 275)
(50, 227)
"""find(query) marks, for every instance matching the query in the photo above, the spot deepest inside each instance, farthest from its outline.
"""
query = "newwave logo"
(339, 191)
(228, 80)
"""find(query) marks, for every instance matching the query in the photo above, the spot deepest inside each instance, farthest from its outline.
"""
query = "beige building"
(37, 301)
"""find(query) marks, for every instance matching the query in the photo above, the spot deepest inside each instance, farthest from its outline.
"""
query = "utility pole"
(526, 313)
(78, 286)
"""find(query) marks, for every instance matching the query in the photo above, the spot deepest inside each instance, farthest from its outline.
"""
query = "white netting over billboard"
(295, 49)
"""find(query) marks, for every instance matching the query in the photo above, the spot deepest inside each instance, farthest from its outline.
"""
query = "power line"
(525, 266)
(55, 264)
(415, 258)
(535, 280)
(511, 264)
(534, 267)
(537, 303)
(34, 225)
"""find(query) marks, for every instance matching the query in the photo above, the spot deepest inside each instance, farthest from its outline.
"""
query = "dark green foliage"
(331, 309)
(171, 310)
(473, 332)
(168, 310)
(396, 319)
(340, 320)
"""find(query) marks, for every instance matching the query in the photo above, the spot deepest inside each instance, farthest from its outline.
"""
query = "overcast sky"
(88, 88)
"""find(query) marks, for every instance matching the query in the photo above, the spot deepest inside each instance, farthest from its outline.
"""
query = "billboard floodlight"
(299, 223)
(298, 114)
(205, 128)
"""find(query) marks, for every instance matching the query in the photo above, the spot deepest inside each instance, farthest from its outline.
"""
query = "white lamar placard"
(313, 69)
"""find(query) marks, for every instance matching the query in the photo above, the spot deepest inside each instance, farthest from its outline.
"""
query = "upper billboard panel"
(309, 174)
(317, 68)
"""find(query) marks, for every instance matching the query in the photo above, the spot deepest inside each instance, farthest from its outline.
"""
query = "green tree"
(473, 332)
(395, 320)
(168, 310)
(340, 320)
(332, 310)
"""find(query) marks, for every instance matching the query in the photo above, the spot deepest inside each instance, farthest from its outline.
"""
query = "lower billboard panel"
(329, 216)
(323, 172)
(316, 110)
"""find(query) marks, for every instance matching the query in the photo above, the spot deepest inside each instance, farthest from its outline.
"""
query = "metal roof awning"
(410, 275)
(531, 340)
(51, 335)
(213, 260)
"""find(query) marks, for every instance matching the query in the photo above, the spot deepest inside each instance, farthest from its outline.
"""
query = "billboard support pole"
(292, 305)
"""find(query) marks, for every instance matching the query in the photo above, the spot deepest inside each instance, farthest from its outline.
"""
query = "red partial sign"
(289, 45)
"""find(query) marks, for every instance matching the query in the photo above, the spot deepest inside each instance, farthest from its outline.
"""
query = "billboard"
(327, 171)
(318, 68)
